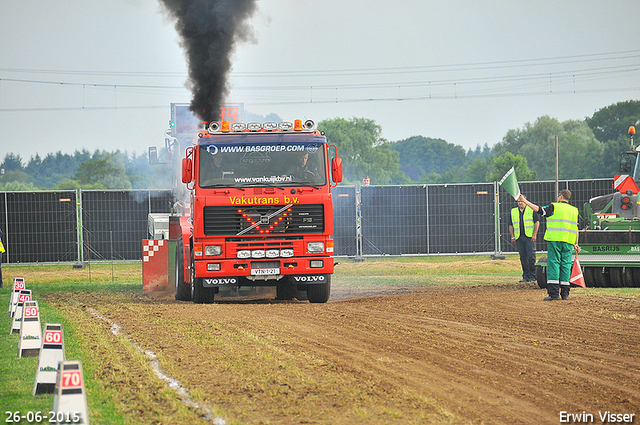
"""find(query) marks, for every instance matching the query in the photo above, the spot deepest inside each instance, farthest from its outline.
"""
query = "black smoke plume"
(209, 30)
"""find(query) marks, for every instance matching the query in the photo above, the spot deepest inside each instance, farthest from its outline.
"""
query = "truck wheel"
(182, 290)
(627, 277)
(588, 277)
(285, 291)
(636, 277)
(615, 275)
(600, 277)
(200, 294)
(541, 274)
(319, 293)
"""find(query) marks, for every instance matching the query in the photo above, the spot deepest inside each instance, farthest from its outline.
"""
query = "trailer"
(610, 243)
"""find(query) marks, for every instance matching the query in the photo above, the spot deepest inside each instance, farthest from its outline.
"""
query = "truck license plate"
(265, 272)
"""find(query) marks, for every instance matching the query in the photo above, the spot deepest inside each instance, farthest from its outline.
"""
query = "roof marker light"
(238, 126)
(297, 125)
(254, 126)
(285, 126)
(225, 127)
(270, 126)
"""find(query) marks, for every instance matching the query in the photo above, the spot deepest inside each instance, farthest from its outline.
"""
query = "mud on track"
(491, 354)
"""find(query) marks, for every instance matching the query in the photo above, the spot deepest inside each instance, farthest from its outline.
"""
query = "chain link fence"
(86, 225)
(444, 219)
(43, 226)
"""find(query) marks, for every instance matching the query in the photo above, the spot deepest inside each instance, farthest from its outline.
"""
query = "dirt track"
(495, 354)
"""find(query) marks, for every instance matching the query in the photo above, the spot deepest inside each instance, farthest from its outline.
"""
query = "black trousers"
(527, 251)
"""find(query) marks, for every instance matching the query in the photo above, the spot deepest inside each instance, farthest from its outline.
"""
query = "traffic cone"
(18, 285)
(69, 396)
(51, 353)
(25, 295)
(30, 330)
(576, 274)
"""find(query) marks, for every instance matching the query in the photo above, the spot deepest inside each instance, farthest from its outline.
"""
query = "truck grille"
(263, 220)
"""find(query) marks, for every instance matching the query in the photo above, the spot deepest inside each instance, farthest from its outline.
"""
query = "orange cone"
(576, 274)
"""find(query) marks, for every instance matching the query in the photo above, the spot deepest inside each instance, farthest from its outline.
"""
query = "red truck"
(261, 212)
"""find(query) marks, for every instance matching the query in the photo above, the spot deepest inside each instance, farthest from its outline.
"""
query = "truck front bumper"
(305, 270)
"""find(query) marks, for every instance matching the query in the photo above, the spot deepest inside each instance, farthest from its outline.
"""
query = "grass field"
(82, 337)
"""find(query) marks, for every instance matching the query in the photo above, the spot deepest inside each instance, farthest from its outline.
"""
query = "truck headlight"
(212, 250)
(244, 253)
(315, 247)
(286, 253)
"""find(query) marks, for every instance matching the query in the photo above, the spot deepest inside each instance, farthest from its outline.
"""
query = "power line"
(82, 108)
(557, 60)
(522, 77)
(89, 85)
(523, 84)
(449, 96)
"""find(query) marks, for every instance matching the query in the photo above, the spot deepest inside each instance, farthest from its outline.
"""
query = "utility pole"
(557, 187)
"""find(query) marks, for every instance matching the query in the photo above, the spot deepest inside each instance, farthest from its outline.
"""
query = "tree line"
(588, 148)
(83, 170)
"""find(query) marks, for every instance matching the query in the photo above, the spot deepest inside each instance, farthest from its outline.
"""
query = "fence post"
(80, 225)
(359, 252)
(497, 255)
(426, 203)
(6, 229)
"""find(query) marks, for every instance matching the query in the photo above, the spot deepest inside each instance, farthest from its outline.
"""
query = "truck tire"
(285, 291)
(615, 276)
(182, 290)
(588, 277)
(627, 277)
(200, 294)
(541, 274)
(600, 277)
(636, 277)
(319, 293)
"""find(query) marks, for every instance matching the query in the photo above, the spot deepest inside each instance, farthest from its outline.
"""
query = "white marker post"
(69, 399)
(18, 285)
(51, 353)
(25, 295)
(30, 330)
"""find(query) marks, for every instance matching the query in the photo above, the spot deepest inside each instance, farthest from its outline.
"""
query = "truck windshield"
(299, 162)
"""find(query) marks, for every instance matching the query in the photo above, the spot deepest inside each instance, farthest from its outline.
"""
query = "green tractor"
(610, 243)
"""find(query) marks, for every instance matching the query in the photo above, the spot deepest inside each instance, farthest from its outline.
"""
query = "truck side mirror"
(336, 170)
(186, 170)
(153, 155)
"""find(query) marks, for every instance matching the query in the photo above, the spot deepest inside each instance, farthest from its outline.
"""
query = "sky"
(102, 74)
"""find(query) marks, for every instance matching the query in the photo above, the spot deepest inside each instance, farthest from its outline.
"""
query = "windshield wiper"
(221, 186)
(261, 185)
(309, 184)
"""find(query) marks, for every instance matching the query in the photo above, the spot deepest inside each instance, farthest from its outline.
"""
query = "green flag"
(510, 183)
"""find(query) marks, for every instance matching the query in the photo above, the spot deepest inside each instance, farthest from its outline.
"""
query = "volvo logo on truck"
(309, 279)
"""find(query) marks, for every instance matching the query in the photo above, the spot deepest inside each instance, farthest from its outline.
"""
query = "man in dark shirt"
(523, 226)
(2, 250)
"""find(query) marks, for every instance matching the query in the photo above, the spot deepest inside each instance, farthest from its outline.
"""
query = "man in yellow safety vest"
(2, 251)
(523, 226)
(562, 240)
